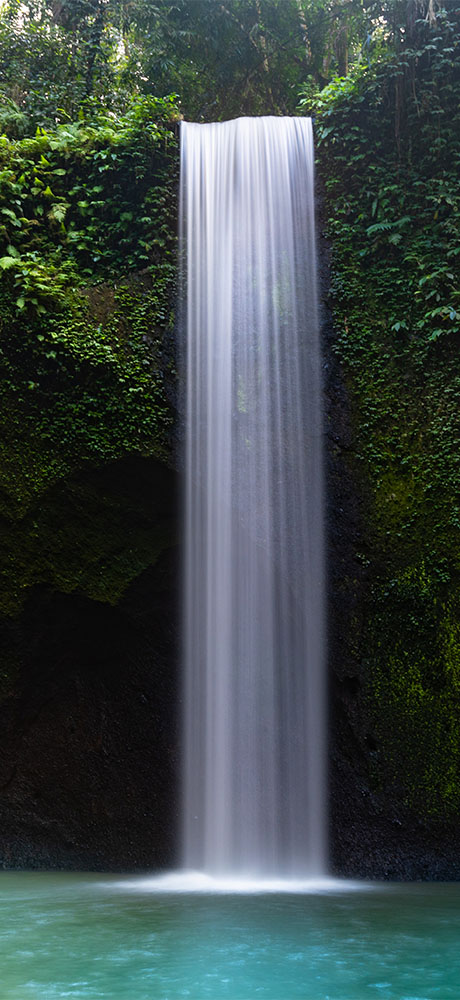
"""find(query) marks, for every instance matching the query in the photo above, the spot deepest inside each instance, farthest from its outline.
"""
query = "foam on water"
(200, 882)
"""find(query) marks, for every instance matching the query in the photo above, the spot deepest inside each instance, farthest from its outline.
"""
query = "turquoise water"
(109, 939)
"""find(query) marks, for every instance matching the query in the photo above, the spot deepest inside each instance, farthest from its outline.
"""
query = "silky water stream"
(254, 700)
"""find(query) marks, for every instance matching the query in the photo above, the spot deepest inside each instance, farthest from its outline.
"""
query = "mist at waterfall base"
(254, 745)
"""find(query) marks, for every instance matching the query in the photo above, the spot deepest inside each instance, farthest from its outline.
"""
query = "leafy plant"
(388, 142)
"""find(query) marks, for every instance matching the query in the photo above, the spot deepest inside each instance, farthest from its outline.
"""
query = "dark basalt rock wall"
(373, 833)
(89, 624)
(88, 723)
(90, 698)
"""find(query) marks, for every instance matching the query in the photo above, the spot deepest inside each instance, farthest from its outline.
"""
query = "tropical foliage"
(222, 59)
(389, 153)
(88, 275)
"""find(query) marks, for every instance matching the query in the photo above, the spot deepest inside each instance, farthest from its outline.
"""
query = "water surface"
(106, 938)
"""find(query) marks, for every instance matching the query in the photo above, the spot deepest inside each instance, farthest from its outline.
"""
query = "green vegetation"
(389, 150)
(88, 216)
(87, 259)
(88, 262)
(222, 59)
(88, 219)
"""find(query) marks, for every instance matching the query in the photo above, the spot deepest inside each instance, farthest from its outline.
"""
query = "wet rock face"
(348, 764)
(88, 720)
(89, 685)
(373, 831)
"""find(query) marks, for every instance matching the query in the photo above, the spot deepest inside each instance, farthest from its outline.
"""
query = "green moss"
(87, 266)
(416, 702)
(392, 196)
(79, 537)
(88, 273)
(74, 390)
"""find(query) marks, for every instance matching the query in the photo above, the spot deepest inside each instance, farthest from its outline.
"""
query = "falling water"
(254, 743)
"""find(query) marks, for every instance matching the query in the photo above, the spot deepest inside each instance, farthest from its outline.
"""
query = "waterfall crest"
(254, 797)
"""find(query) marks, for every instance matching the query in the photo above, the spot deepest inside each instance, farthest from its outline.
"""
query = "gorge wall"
(88, 587)
(89, 542)
(388, 154)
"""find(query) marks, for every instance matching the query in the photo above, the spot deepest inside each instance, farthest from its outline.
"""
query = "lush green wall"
(88, 269)
(389, 152)
(87, 266)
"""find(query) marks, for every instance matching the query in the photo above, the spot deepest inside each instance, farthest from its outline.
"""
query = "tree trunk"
(94, 45)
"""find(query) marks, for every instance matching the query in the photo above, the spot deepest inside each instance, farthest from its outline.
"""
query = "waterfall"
(254, 692)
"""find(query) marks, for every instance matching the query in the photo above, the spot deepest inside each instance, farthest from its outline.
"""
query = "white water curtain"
(254, 696)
